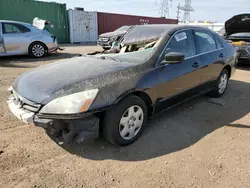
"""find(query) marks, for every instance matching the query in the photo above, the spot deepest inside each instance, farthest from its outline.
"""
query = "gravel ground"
(197, 144)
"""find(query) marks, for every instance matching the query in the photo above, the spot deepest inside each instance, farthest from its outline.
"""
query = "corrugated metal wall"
(27, 10)
(109, 22)
(82, 26)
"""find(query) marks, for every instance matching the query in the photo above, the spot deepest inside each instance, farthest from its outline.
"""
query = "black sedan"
(158, 67)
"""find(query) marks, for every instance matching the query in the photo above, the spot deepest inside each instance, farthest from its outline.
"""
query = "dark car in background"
(238, 34)
(158, 67)
(107, 39)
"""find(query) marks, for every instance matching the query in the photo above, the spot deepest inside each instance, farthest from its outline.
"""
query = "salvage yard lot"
(197, 144)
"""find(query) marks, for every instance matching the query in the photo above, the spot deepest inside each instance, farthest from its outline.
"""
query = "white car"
(17, 38)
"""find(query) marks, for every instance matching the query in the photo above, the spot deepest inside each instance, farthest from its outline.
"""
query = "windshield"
(123, 28)
(241, 35)
(137, 57)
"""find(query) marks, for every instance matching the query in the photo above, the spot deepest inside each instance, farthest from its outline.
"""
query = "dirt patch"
(198, 144)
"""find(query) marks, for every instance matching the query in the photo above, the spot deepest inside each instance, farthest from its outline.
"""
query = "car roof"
(11, 21)
(146, 33)
(167, 26)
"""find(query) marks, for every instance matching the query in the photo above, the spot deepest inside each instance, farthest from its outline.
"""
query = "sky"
(205, 10)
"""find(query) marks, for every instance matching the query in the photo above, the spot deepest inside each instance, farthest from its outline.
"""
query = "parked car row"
(154, 68)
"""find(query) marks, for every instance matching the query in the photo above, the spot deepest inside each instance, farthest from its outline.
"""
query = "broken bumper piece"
(20, 113)
(62, 131)
(68, 131)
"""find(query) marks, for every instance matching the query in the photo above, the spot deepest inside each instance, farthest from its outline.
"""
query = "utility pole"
(187, 9)
(178, 11)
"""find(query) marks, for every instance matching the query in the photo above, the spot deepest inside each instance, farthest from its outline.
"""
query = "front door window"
(182, 42)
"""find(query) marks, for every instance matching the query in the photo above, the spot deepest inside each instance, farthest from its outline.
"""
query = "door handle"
(221, 55)
(195, 65)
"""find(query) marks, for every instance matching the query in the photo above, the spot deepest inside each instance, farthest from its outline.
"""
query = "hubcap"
(223, 83)
(38, 50)
(131, 122)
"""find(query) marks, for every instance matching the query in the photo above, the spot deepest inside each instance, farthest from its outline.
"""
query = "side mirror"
(174, 58)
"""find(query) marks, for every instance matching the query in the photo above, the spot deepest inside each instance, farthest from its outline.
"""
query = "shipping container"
(108, 22)
(82, 26)
(27, 10)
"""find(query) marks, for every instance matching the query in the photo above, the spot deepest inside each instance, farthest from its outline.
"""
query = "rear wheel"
(124, 123)
(37, 50)
(221, 84)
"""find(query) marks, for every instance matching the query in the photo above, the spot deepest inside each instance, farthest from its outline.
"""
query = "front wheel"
(221, 84)
(124, 123)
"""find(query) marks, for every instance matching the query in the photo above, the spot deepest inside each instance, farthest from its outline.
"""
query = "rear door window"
(182, 42)
(205, 41)
(13, 28)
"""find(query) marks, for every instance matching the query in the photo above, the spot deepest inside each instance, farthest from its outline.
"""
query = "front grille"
(30, 108)
(104, 39)
(24, 103)
(243, 53)
(248, 50)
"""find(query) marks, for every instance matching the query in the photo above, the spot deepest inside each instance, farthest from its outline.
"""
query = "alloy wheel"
(223, 83)
(38, 50)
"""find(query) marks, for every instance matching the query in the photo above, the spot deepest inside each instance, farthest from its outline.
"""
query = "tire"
(221, 84)
(133, 112)
(37, 50)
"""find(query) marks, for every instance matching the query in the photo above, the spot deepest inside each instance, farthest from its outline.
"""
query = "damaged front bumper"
(64, 130)
(68, 131)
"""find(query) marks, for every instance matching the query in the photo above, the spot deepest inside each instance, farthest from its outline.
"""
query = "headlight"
(113, 38)
(71, 104)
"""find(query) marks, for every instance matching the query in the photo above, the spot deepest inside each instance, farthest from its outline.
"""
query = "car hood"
(238, 24)
(57, 79)
(113, 34)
